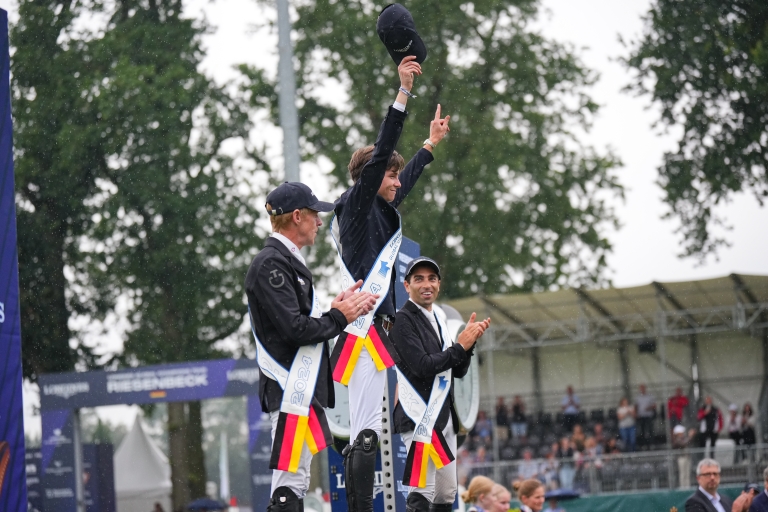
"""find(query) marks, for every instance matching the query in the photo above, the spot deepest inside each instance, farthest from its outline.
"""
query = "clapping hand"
(473, 331)
(353, 304)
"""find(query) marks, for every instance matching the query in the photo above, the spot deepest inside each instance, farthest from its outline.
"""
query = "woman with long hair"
(479, 495)
(531, 494)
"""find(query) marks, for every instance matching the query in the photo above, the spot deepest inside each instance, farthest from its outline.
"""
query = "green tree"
(172, 232)
(705, 62)
(513, 201)
(57, 159)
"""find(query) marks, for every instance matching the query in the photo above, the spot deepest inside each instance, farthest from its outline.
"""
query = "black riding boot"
(285, 500)
(416, 502)
(359, 471)
(440, 507)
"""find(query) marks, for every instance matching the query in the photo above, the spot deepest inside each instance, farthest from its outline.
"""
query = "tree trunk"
(177, 447)
(197, 476)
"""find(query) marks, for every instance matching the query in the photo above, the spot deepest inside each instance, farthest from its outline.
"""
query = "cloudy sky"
(645, 248)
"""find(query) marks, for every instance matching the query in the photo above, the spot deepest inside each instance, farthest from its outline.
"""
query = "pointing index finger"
(437, 113)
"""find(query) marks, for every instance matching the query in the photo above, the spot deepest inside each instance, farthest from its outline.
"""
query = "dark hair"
(363, 155)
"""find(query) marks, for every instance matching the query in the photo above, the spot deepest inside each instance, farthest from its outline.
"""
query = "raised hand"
(407, 68)
(472, 332)
(438, 127)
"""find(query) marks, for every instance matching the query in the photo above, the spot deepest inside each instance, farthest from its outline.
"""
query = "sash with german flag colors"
(428, 443)
(302, 419)
(363, 332)
(348, 348)
(293, 431)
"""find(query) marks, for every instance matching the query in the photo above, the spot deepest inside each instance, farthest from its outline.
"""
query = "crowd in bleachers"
(555, 447)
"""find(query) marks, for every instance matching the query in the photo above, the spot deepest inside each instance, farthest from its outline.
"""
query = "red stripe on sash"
(285, 449)
(381, 349)
(340, 365)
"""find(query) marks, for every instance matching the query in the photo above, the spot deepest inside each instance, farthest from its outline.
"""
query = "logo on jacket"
(384, 269)
(277, 280)
(301, 281)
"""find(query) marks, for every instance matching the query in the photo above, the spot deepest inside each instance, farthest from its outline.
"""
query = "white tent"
(142, 473)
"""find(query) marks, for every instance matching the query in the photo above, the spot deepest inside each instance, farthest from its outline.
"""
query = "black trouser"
(644, 431)
(712, 436)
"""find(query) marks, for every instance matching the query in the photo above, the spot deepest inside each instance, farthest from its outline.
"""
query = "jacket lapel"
(295, 263)
(707, 503)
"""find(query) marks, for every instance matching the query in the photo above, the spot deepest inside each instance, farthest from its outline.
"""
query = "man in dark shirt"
(368, 235)
(429, 359)
(287, 323)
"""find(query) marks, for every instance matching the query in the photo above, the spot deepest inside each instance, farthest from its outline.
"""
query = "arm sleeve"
(282, 307)
(461, 370)
(411, 173)
(409, 345)
(363, 192)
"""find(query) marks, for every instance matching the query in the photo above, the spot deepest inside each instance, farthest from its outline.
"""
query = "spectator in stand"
(599, 435)
(519, 421)
(565, 455)
(681, 441)
(549, 467)
(733, 428)
(531, 495)
(502, 420)
(710, 423)
(578, 438)
(748, 422)
(478, 496)
(463, 460)
(676, 406)
(481, 455)
(527, 468)
(626, 415)
(645, 405)
(570, 406)
(483, 428)
(612, 447)
(590, 457)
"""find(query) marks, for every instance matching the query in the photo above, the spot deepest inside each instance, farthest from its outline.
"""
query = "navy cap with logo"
(293, 195)
(422, 261)
(397, 31)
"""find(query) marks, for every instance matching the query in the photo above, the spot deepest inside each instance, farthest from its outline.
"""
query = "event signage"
(163, 383)
(259, 453)
(13, 487)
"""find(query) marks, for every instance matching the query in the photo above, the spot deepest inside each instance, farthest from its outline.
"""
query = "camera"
(753, 488)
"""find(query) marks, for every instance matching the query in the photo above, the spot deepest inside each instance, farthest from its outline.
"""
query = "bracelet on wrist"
(407, 92)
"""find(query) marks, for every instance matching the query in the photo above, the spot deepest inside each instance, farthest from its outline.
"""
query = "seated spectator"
(482, 428)
(592, 453)
(626, 416)
(676, 406)
(502, 420)
(578, 438)
(612, 446)
(519, 421)
(599, 435)
(481, 455)
(570, 405)
(527, 468)
(549, 469)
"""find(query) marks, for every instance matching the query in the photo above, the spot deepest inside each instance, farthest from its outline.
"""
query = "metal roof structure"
(730, 303)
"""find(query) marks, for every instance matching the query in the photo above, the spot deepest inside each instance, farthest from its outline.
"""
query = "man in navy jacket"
(367, 222)
(426, 351)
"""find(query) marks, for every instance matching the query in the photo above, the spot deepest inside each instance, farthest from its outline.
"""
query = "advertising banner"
(58, 461)
(163, 383)
(13, 486)
(99, 477)
(34, 484)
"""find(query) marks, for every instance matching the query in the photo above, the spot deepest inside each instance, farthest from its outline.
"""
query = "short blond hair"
(280, 222)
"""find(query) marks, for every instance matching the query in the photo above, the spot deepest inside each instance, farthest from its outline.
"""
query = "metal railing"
(630, 472)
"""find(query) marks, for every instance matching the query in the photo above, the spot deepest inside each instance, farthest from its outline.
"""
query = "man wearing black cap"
(424, 414)
(291, 340)
(368, 235)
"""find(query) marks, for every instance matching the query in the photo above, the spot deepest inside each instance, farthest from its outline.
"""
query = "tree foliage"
(705, 63)
(513, 200)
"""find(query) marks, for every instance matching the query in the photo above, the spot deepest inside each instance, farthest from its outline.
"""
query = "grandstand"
(708, 337)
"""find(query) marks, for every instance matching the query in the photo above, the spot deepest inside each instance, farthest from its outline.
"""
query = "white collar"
(291, 246)
(716, 497)
(430, 314)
